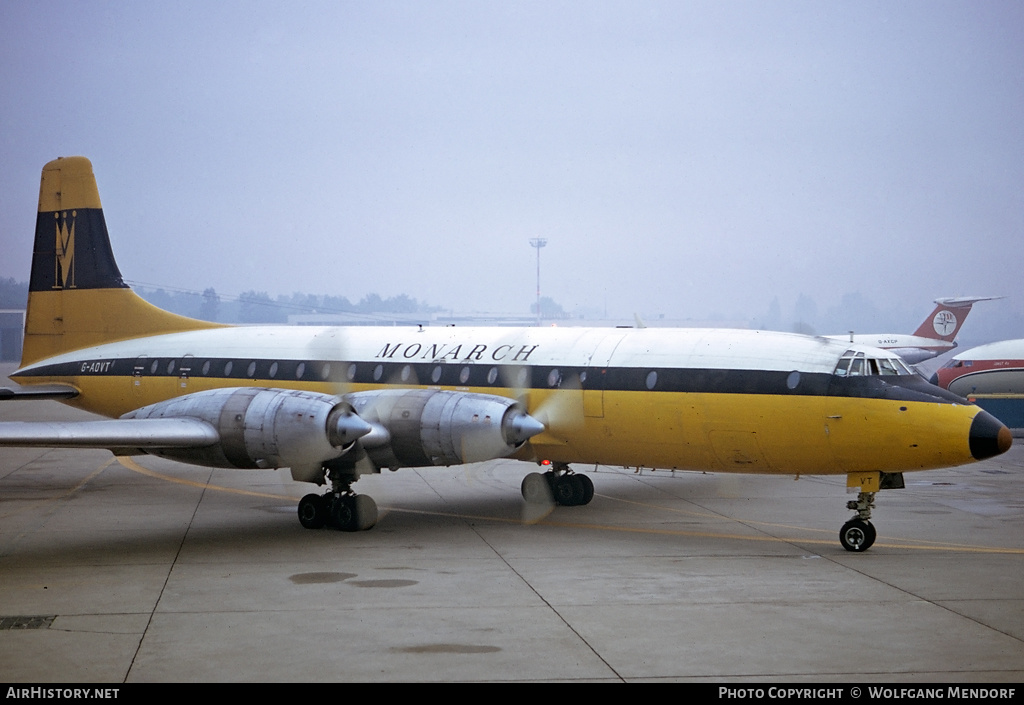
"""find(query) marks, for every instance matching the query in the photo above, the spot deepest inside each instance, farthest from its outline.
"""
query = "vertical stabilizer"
(77, 297)
(945, 320)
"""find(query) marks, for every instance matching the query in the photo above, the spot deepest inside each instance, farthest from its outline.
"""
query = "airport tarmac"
(146, 570)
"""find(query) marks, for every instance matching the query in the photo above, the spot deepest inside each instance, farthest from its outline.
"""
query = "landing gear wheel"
(354, 513)
(568, 490)
(857, 535)
(536, 489)
(343, 513)
(366, 512)
(588, 488)
(313, 513)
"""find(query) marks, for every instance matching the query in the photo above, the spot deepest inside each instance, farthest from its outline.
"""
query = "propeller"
(558, 406)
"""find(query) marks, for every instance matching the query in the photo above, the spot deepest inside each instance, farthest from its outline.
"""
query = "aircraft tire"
(588, 488)
(857, 535)
(568, 490)
(354, 513)
(536, 489)
(313, 512)
(343, 514)
(365, 512)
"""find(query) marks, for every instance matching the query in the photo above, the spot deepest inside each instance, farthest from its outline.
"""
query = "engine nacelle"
(263, 428)
(423, 427)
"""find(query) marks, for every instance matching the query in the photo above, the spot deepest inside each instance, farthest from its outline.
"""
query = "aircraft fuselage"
(703, 399)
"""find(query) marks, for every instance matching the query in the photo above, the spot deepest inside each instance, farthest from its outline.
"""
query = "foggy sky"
(691, 159)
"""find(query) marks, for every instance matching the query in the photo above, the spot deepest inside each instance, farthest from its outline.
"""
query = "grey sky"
(685, 158)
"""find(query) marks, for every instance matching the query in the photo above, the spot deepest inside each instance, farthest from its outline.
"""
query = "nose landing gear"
(858, 534)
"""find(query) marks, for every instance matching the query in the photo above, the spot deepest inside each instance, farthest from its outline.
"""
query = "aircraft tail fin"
(77, 297)
(949, 314)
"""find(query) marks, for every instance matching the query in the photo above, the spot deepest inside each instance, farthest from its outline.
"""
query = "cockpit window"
(857, 368)
(858, 364)
(885, 367)
(902, 367)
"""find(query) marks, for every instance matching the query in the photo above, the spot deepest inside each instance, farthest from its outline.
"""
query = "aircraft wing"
(915, 355)
(38, 391)
(109, 433)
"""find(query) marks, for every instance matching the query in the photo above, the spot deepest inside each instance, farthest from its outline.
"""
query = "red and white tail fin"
(944, 322)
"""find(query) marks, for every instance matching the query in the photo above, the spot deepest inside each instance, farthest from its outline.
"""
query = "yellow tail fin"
(77, 297)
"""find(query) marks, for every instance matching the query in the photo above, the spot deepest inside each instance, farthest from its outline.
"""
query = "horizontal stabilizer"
(961, 301)
(39, 391)
(113, 433)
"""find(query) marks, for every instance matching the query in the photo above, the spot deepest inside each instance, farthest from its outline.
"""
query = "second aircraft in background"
(936, 334)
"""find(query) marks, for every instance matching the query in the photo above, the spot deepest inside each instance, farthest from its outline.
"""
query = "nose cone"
(347, 428)
(522, 427)
(988, 436)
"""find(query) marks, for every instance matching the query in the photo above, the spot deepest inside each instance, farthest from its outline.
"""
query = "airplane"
(992, 376)
(334, 403)
(936, 334)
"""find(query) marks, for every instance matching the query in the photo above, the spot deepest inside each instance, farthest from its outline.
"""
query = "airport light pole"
(538, 242)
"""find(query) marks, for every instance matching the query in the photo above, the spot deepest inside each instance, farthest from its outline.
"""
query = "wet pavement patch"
(318, 578)
(448, 649)
(384, 583)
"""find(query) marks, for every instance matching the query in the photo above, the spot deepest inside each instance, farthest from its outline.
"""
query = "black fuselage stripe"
(404, 374)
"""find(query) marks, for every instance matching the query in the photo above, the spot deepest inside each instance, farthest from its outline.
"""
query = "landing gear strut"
(341, 508)
(560, 485)
(858, 534)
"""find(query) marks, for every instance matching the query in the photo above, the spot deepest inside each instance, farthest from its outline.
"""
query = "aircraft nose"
(988, 436)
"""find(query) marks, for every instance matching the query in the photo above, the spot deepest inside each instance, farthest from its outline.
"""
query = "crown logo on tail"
(64, 251)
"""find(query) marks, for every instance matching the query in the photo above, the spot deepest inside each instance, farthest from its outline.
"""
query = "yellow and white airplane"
(332, 403)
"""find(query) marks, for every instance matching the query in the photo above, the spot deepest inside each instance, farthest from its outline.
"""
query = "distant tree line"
(259, 307)
(13, 294)
(549, 308)
(250, 307)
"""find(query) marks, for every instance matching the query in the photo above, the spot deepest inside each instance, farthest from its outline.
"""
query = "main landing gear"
(858, 534)
(341, 508)
(560, 485)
